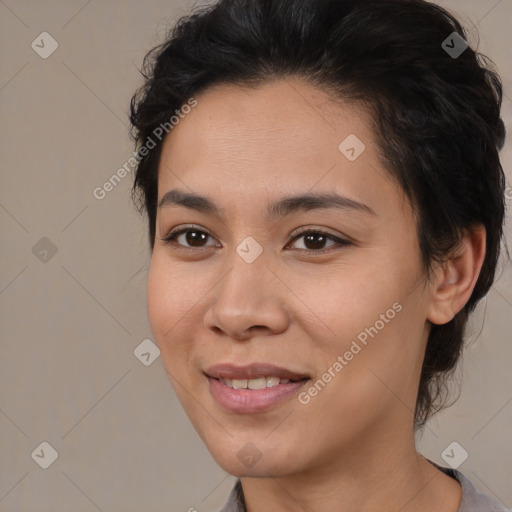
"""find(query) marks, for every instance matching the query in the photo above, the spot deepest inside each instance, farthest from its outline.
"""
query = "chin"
(260, 469)
(261, 459)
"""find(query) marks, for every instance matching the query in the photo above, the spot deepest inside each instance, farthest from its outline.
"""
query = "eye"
(314, 239)
(189, 234)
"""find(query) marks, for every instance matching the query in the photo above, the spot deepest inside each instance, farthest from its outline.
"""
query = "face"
(328, 294)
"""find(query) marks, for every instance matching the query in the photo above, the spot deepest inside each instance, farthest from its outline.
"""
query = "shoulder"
(474, 501)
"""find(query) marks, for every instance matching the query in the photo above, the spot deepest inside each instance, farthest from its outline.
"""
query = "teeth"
(259, 383)
(272, 381)
(239, 384)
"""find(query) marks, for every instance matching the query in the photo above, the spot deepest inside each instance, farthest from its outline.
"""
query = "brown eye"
(191, 237)
(195, 238)
(188, 238)
(315, 240)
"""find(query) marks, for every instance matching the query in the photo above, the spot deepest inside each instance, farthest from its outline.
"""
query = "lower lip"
(252, 400)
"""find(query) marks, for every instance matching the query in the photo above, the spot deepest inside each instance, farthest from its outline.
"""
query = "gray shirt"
(472, 500)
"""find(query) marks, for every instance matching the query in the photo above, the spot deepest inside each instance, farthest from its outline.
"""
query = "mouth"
(253, 388)
(252, 371)
(257, 383)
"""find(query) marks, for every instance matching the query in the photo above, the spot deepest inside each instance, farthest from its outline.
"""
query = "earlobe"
(456, 278)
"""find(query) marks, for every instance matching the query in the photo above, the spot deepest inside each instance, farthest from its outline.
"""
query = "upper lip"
(251, 371)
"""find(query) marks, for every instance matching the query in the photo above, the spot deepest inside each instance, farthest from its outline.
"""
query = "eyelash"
(170, 239)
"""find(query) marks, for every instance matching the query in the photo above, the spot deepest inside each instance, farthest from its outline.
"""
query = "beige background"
(70, 325)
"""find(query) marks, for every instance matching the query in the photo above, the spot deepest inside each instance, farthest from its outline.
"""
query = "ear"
(455, 280)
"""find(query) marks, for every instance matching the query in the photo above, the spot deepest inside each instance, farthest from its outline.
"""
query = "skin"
(352, 446)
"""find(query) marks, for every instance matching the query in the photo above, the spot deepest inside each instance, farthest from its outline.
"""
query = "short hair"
(435, 114)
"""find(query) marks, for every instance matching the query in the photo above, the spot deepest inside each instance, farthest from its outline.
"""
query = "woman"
(325, 202)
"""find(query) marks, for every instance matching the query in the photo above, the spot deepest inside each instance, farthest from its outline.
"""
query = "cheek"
(376, 323)
(159, 296)
(170, 297)
(381, 359)
(347, 303)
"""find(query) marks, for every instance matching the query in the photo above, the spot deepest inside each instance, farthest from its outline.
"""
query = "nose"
(248, 301)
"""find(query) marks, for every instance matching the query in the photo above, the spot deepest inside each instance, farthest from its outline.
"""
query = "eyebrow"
(280, 208)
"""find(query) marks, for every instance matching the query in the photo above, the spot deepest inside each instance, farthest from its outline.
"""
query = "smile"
(259, 383)
(253, 388)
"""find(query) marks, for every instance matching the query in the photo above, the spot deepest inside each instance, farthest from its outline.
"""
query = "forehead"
(285, 119)
(285, 134)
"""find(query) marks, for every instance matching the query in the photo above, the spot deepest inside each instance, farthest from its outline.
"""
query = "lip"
(252, 371)
(245, 401)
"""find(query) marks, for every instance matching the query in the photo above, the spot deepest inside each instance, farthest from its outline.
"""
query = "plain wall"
(70, 321)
